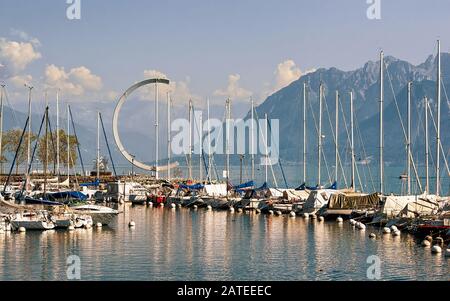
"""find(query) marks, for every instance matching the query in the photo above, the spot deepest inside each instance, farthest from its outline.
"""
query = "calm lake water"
(182, 244)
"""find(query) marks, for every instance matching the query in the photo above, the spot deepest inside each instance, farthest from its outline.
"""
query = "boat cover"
(342, 201)
(218, 190)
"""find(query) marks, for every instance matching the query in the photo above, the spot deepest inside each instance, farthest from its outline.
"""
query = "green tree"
(49, 155)
(11, 140)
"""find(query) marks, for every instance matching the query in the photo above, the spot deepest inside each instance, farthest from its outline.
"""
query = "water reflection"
(206, 245)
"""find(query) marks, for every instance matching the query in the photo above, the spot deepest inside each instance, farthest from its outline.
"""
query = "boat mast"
(98, 145)
(68, 145)
(381, 123)
(209, 144)
(252, 138)
(409, 141)
(267, 142)
(319, 148)
(352, 141)
(427, 184)
(438, 135)
(29, 133)
(156, 130)
(200, 157)
(1, 125)
(168, 136)
(57, 134)
(304, 132)
(228, 114)
(190, 139)
(336, 159)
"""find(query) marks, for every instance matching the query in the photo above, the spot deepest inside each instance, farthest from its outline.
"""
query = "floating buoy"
(394, 228)
(386, 230)
(173, 206)
(99, 225)
(22, 229)
(362, 226)
(306, 215)
(397, 233)
(88, 226)
(429, 238)
(195, 207)
(231, 209)
(239, 210)
(321, 218)
(150, 204)
(71, 228)
(439, 240)
(292, 214)
(352, 222)
(131, 224)
(278, 212)
(161, 205)
(258, 210)
(339, 219)
(178, 205)
(270, 212)
(426, 243)
(372, 235)
(436, 249)
(209, 208)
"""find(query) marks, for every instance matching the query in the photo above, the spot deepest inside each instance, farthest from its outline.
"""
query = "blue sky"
(210, 48)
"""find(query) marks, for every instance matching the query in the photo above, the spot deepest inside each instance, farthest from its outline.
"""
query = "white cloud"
(16, 56)
(180, 92)
(25, 36)
(233, 90)
(286, 73)
(74, 82)
(20, 80)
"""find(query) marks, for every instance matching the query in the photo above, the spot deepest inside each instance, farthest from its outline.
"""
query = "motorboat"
(99, 214)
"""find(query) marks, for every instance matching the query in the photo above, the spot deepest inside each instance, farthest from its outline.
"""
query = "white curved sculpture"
(119, 144)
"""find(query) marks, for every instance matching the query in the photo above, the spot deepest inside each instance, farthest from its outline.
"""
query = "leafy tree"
(50, 155)
(11, 140)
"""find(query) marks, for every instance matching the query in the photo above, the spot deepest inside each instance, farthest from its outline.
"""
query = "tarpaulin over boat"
(216, 190)
(96, 183)
(244, 185)
(263, 187)
(191, 187)
(316, 200)
(419, 207)
(295, 195)
(394, 204)
(68, 195)
(304, 187)
(342, 201)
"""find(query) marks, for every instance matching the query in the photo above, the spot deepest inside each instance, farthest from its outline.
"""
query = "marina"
(318, 174)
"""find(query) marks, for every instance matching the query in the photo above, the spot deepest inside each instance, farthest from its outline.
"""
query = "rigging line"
(15, 155)
(201, 144)
(358, 131)
(78, 142)
(107, 145)
(323, 150)
(356, 168)
(16, 120)
(267, 155)
(335, 142)
(440, 144)
(279, 158)
(317, 133)
(403, 127)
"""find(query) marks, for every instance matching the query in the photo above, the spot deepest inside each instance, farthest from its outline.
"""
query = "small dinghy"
(32, 221)
(99, 214)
